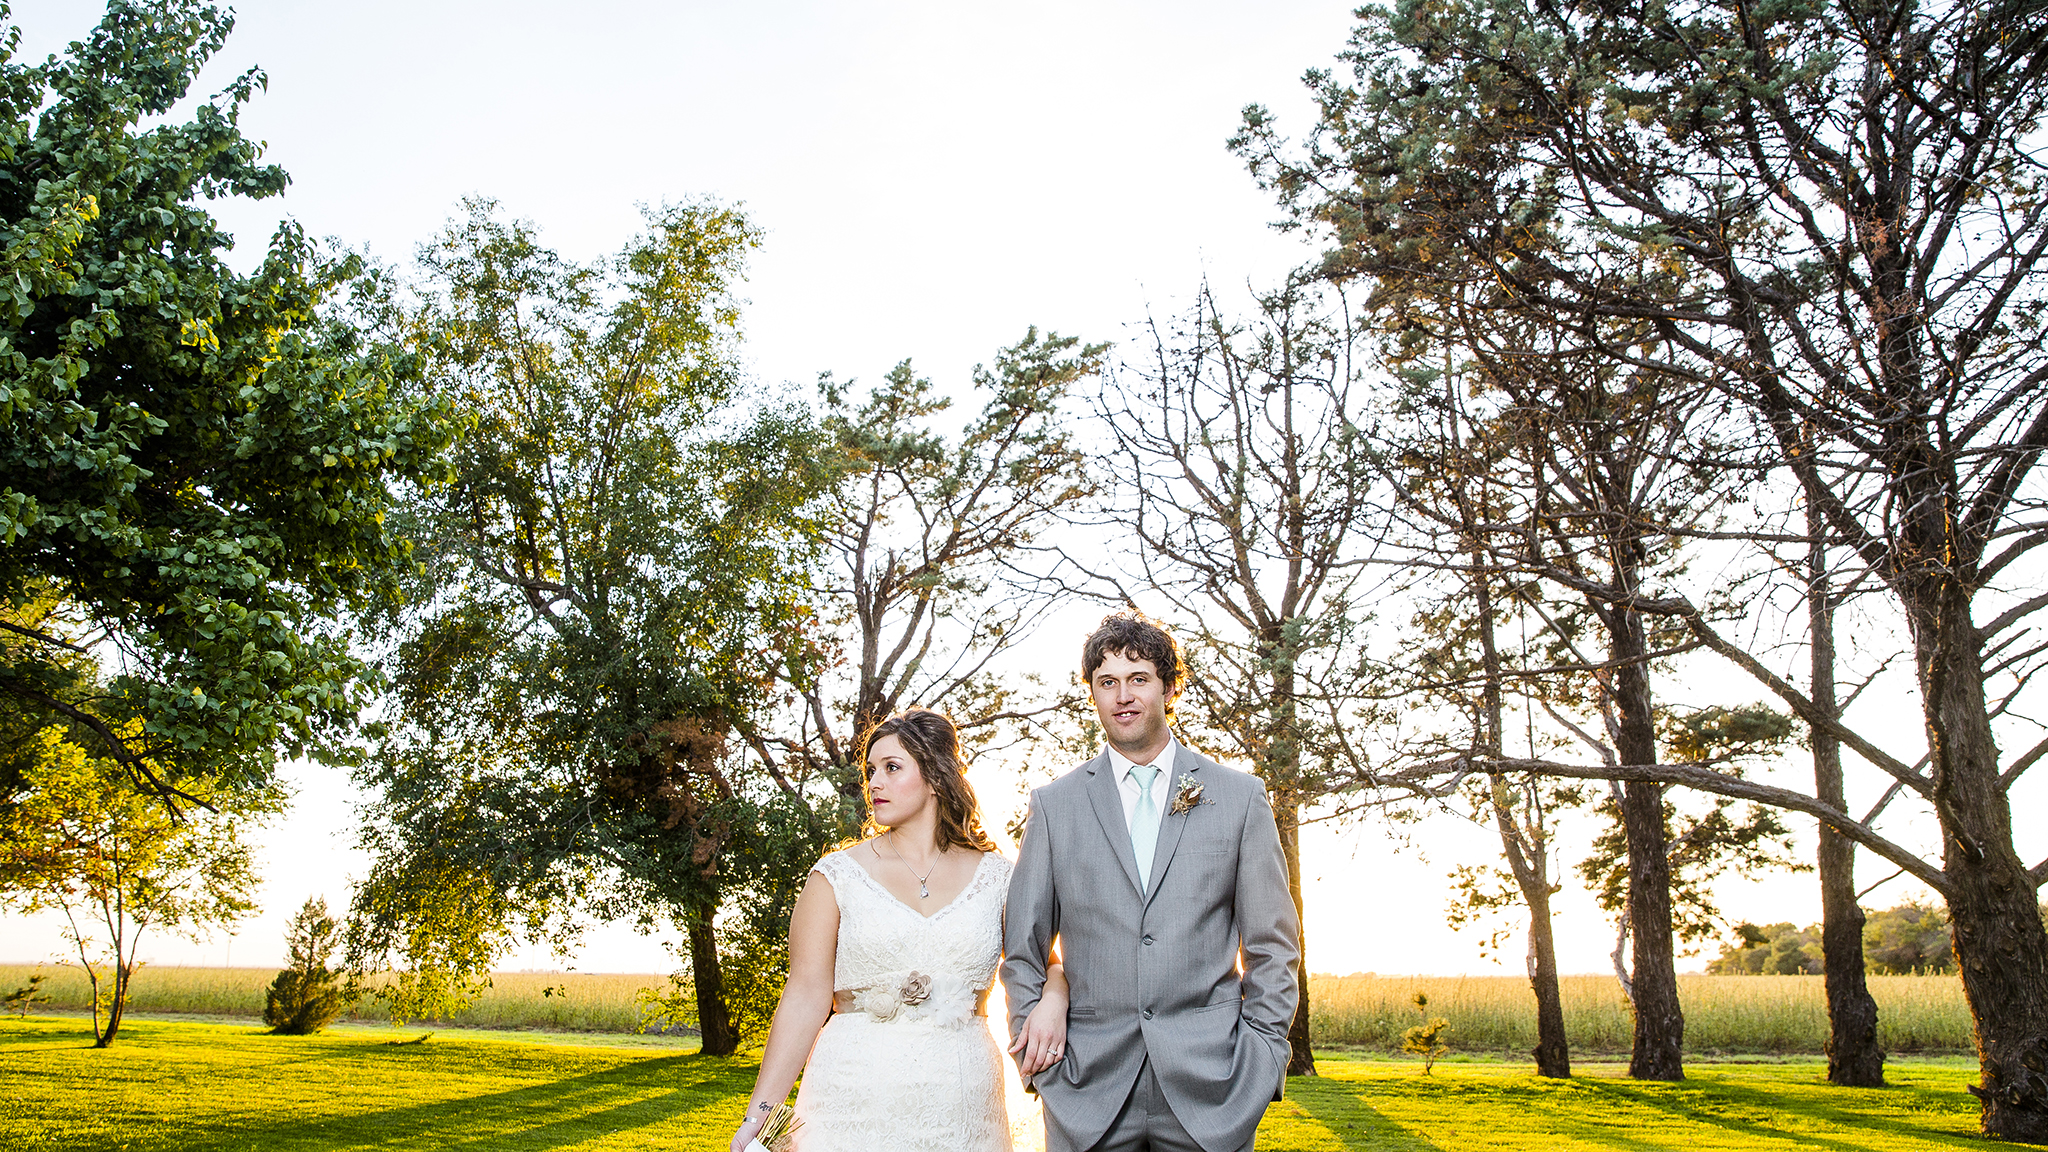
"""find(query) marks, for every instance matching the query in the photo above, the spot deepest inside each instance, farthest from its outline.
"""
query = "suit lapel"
(1185, 763)
(1109, 811)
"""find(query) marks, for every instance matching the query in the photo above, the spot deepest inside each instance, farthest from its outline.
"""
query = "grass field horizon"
(1781, 1015)
(186, 1086)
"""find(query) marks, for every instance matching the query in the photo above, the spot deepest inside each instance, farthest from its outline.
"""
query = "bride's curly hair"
(934, 743)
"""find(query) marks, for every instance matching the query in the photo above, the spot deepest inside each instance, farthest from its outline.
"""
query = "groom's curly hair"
(1135, 636)
(934, 743)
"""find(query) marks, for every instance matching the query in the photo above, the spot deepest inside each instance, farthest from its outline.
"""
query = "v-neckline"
(937, 912)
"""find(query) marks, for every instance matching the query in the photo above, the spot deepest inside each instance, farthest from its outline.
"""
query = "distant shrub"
(306, 996)
(1773, 950)
(1908, 939)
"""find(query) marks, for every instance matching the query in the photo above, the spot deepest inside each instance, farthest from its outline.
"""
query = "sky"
(931, 179)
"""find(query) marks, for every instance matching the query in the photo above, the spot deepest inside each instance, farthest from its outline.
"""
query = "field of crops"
(1747, 1014)
(547, 1001)
(1488, 1014)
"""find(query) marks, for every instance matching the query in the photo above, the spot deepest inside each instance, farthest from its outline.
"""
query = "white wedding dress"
(912, 1068)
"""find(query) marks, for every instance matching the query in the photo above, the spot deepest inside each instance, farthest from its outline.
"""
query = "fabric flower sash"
(916, 997)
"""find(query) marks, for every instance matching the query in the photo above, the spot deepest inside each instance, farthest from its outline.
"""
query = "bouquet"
(777, 1131)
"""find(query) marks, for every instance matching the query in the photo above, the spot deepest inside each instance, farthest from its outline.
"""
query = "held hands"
(1043, 1042)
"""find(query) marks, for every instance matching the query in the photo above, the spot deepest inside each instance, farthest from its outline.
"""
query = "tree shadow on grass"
(1762, 1103)
(1527, 1109)
(635, 1114)
(270, 1055)
(1339, 1106)
(553, 1114)
(46, 1033)
(1630, 1116)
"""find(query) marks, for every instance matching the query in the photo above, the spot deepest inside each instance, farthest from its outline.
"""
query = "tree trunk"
(1854, 1059)
(117, 1007)
(1282, 770)
(1531, 868)
(714, 1019)
(1301, 1059)
(2001, 949)
(93, 985)
(1659, 1049)
(1553, 1052)
(850, 779)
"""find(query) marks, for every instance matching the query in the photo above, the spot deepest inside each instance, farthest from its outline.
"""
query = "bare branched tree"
(1244, 495)
(937, 562)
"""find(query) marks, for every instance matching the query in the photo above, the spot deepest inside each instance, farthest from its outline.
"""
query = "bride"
(892, 948)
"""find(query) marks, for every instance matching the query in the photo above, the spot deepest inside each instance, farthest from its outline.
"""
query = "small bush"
(306, 996)
(1427, 1038)
(28, 995)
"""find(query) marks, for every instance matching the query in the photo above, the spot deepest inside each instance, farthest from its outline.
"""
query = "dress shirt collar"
(1164, 761)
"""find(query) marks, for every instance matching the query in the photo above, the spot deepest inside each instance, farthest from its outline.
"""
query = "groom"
(1157, 870)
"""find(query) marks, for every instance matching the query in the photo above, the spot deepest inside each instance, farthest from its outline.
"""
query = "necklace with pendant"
(923, 893)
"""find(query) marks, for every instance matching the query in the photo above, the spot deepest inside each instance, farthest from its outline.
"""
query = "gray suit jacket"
(1154, 975)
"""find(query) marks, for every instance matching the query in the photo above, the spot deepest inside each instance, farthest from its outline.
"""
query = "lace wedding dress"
(912, 1068)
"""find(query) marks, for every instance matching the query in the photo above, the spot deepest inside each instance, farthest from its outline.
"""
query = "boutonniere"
(1187, 792)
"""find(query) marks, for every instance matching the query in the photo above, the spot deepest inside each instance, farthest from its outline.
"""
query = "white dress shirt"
(1127, 786)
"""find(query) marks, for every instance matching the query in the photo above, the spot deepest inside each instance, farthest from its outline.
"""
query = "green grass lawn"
(177, 1085)
(1390, 1106)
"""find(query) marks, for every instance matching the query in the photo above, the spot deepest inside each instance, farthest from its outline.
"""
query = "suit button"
(1147, 941)
(1148, 1013)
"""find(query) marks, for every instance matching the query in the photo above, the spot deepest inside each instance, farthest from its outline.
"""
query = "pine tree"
(306, 996)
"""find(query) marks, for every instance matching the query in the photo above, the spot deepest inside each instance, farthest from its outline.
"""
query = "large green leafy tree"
(192, 461)
(1834, 213)
(611, 574)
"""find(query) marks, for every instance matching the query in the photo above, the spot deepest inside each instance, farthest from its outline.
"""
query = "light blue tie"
(1144, 821)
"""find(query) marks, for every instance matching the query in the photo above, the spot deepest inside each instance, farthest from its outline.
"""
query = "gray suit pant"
(1146, 1124)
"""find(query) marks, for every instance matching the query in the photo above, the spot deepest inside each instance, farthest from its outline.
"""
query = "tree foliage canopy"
(612, 573)
(1833, 216)
(194, 462)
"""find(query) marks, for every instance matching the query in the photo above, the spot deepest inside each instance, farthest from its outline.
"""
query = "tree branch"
(2026, 761)
(1704, 780)
(2008, 617)
(43, 637)
(116, 746)
(1805, 708)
